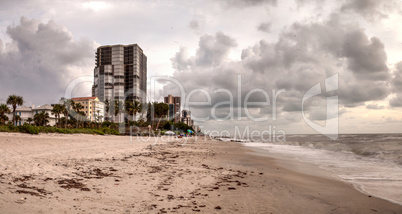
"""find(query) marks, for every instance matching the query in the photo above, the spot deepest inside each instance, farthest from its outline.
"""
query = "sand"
(54, 173)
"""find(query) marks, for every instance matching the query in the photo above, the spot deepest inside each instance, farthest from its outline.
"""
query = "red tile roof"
(84, 98)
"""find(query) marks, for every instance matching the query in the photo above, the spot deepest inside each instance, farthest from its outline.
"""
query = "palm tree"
(98, 118)
(137, 108)
(65, 113)
(17, 119)
(129, 109)
(81, 115)
(118, 107)
(29, 120)
(132, 108)
(77, 108)
(15, 101)
(41, 119)
(107, 105)
(57, 110)
(3, 111)
(68, 105)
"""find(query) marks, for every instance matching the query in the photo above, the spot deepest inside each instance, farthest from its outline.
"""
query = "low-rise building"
(29, 112)
(47, 109)
(94, 109)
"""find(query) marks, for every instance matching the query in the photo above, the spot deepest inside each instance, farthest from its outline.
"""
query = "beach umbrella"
(190, 131)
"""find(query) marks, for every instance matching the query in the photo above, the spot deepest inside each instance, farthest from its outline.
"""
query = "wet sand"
(107, 174)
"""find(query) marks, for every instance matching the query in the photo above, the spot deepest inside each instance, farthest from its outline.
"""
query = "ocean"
(371, 162)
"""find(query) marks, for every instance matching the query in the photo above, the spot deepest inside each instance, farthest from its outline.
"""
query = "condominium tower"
(174, 107)
(120, 74)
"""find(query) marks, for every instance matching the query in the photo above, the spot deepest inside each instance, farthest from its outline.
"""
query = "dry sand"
(110, 174)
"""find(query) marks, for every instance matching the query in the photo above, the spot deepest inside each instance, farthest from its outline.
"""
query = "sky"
(220, 56)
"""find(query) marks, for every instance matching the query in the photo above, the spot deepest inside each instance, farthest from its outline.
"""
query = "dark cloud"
(43, 60)
(304, 55)
(265, 27)
(366, 56)
(396, 85)
(213, 49)
(372, 9)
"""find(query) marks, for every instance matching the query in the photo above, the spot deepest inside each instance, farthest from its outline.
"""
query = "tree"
(77, 108)
(137, 108)
(129, 106)
(68, 105)
(15, 101)
(41, 119)
(98, 118)
(132, 108)
(3, 111)
(57, 110)
(65, 113)
(29, 120)
(81, 116)
(107, 106)
(160, 111)
(118, 107)
(17, 118)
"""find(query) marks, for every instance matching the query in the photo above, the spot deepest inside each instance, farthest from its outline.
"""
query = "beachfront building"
(29, 112)
(174, 107)
(197, 129)
(186, 118)
(93, 108)
(47, 109)
(24, 113)
(120, 74)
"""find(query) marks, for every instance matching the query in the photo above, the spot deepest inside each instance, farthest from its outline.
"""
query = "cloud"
(372, 9)
(304, 55)
(213, 49)
(194, 24)
(374, 106)
(366, 56)
(248, 3)
(265, 27)
(396, 85)
(44, 58)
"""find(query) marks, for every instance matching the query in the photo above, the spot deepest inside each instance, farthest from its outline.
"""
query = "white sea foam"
(370, 163)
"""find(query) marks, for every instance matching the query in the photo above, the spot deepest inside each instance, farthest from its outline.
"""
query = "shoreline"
(110, 174)
(291, 163)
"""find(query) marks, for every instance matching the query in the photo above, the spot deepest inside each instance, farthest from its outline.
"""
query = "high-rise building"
(174, 107)
(120, 74)
(186, 118)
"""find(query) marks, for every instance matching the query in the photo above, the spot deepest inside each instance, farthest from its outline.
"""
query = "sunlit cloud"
(95, 5)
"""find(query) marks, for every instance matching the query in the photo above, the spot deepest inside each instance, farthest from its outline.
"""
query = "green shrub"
(30, 129)
(26, 128)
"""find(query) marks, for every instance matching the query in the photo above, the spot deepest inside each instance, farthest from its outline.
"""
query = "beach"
(55, 173)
